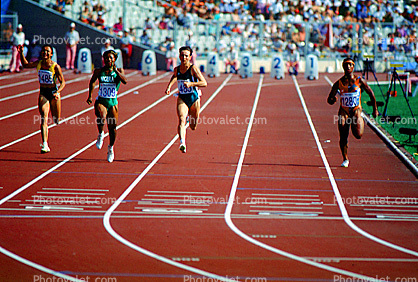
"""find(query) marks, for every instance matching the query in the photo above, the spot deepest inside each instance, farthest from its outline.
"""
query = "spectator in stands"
(60, 6)
(145, 39)
(413, 79)
(164, 46)
(118, 27)
(126, 48)
(185, 20)
(100, 22)
(107, 46)
(85, 15)
(292, 63)
(35, 51)
(171, 57)
(149, 24)
(7, 35)
(192, 44)
(231, 59)
(72, 38)
(18, 38)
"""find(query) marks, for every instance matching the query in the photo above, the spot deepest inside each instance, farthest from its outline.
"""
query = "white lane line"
(18, 83)
(178, 196)
(286, 195)
(37, 90)
(17, 74)
(63, 121)
(23, 188)
(337, 193)
(180, 192)
(75, 189)
(62, 98)
(227, 215)
(70, 193)
(109, 228)
(37, 266)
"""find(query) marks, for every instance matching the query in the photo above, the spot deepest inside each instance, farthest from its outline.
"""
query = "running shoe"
(45, 148)
(345, 163)
(110, 154)
(183, 148)
(99, 142)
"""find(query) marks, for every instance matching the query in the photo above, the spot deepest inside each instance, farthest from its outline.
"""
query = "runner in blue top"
(106, 105)
(188, 78)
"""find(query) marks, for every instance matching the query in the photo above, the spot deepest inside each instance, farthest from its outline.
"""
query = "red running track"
(251, 203)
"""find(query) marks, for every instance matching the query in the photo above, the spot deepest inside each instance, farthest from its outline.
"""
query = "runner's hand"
(89, 100)
(331, 100)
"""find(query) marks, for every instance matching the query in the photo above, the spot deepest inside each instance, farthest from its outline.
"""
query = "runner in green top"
(106, 105)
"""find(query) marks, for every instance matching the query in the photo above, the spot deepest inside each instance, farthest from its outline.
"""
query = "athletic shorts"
(107, 102)
(348, 111)
(48, 93)
(189, 99)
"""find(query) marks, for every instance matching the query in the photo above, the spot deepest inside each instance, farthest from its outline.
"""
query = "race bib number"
(182, 88)
(107, 90)
(350, 100)
(45, 77)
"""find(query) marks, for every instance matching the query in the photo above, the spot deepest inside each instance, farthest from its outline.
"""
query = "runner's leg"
(101, 113)
(194, 115)
(357, 126)
(112, 123)
(182, 111)
(344, 129)
(43, 105)
(56, 109)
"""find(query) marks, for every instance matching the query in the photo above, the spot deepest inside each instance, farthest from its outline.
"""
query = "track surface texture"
(259, 195)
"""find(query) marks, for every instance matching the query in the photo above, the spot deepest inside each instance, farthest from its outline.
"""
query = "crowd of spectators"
(353, 21)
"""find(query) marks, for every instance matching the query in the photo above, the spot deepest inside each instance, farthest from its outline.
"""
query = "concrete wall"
(52, 26)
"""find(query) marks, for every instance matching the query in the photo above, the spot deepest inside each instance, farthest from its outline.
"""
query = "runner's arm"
(369, 91)
(201, 79)
(61, 79)
(173, 79)
(91, 85)
(25, 62)
(332, 95)
(121, 74)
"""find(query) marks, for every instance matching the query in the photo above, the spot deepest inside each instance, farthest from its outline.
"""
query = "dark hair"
(47, 45)
(186, 48)
(348, 59)
(113, 52)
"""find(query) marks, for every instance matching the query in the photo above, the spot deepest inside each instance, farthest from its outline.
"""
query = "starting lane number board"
(212, 65)
(246, 65)
(149, 63)
(84, 62)
(277, 67)
(311, 67)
